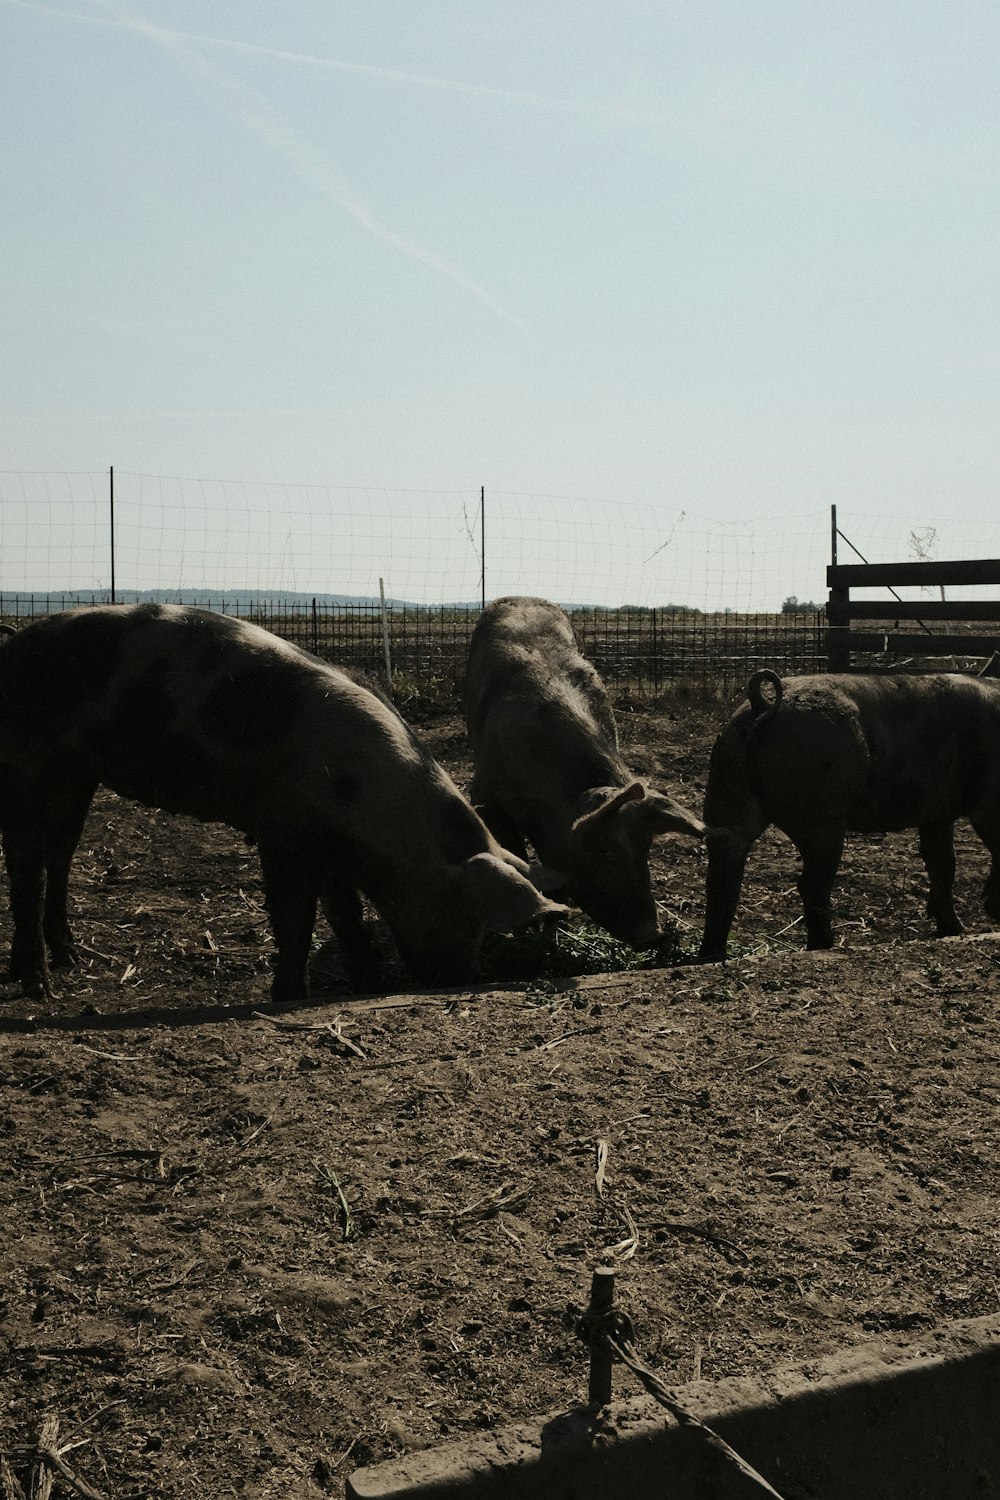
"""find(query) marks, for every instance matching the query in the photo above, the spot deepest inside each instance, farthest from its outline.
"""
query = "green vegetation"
(565, 951)
(795, 606)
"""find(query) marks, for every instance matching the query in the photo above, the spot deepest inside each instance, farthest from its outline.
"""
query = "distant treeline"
(265, 601)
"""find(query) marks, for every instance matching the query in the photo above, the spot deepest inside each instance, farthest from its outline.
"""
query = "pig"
(821, 756)
(203, 714)
(548, 767)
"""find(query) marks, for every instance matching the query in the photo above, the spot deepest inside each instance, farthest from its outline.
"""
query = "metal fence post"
(602, 1295)
(111, 501)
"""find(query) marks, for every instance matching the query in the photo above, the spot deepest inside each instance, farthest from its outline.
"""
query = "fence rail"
(639, 652)
(878, 642)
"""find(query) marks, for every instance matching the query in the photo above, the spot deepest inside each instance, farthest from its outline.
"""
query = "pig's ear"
(634, 792)
(614, 799)
(506, 899)
(601, 806)
(664, 815)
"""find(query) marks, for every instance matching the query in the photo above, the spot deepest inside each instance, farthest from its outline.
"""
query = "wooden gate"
(908, 628)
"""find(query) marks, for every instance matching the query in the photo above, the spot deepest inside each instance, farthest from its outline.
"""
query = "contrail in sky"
(619, 113)
(260, 118)
(796, 133)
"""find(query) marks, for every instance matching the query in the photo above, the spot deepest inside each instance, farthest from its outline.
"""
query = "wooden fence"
(912, 632)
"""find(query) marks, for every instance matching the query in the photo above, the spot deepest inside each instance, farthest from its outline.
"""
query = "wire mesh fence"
(639, 652)
(657, 593)
(64, 531)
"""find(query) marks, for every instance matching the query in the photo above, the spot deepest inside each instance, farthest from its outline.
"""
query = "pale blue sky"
(735, 259)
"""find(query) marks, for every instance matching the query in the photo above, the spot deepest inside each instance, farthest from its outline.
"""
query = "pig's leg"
(291, 891)
(991, 890)
(24, 856)
(821, 853)
(987, 826)
(64, 825)
(727, 857)
(937, 849)
(344, 911)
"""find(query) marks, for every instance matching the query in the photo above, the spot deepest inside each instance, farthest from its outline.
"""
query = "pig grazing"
(821, 756)
(548, 766)
(201, 714)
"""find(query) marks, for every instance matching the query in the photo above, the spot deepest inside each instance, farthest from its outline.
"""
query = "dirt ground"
(247, 1252)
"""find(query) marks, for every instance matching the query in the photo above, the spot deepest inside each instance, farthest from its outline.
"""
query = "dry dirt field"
(247, 1252)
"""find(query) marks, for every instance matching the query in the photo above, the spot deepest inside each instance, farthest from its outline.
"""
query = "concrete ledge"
(893, 1419)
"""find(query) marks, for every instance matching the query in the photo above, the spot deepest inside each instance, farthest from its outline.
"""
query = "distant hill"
(245, 601)
(22, 601)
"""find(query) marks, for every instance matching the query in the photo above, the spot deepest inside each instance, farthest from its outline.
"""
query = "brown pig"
(822, 756)
(197, 713)
(549, 768)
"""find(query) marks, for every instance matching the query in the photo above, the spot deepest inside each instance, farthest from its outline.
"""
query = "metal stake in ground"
(602, 1296)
